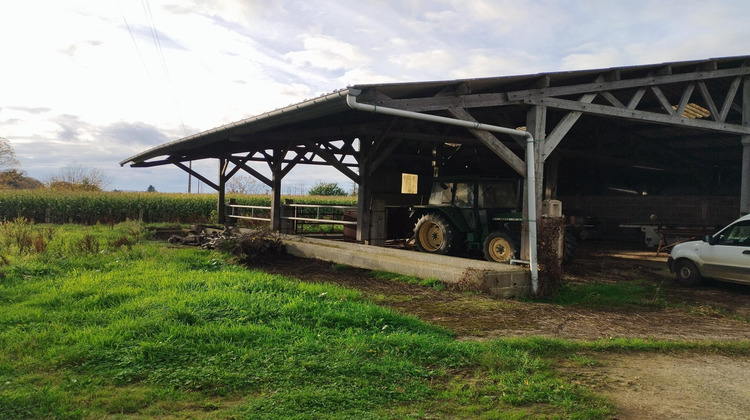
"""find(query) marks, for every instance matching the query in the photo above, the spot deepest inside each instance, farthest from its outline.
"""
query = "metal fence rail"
(232, 213)
(296, 214)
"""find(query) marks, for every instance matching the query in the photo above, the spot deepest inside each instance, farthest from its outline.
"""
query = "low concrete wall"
(501, 280)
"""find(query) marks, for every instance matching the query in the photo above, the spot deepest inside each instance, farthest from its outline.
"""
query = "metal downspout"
(530, 170)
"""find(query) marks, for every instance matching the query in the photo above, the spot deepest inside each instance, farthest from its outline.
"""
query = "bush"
(329, 189)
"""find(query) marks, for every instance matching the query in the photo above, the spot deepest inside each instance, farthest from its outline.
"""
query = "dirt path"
(648, 386)
(643, 386)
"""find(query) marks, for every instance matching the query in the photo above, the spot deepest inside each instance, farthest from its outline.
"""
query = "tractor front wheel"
(433, 233)
(500, 247)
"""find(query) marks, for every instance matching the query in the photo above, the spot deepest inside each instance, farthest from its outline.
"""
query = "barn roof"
(689, 106)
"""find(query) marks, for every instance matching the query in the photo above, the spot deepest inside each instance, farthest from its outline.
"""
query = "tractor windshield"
(498, 194)
(441, 193)
(464, 195)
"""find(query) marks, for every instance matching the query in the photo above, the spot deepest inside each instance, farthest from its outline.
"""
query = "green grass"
(148, 330)
(640, 294)
(434, 283)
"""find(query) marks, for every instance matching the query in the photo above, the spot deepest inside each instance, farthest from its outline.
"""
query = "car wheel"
(500, 247)
(687, 273)
(433, 233)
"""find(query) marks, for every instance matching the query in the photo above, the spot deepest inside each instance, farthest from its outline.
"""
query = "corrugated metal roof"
(331, 109)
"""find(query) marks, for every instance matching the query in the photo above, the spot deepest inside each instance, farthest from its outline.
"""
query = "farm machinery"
(473, 214)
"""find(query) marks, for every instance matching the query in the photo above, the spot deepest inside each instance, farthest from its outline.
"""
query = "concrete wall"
(501, 280)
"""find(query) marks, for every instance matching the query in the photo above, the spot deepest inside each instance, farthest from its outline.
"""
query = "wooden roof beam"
(636, 115)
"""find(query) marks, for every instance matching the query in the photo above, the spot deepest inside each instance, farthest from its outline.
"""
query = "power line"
(130, 31)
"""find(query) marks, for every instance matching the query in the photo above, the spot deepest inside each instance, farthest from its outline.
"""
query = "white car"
(722, 256)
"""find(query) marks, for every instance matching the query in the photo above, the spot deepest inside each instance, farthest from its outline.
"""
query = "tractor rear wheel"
(500, 247)
(433, 233)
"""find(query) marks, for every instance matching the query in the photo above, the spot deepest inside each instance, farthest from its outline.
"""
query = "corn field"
(42, 206)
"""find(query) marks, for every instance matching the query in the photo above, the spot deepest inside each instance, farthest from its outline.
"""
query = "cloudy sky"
(93, 82)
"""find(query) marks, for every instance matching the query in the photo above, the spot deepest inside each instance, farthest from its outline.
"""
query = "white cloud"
(79, 84)
(432, 61)
(327, 53)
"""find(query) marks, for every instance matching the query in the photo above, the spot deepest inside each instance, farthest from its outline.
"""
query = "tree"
(13, 179)
(7, 155)
(244, 184)
(76, 177)
(150, 189)
(323, 188)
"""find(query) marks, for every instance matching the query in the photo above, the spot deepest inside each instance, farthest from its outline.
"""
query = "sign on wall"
(409, 183)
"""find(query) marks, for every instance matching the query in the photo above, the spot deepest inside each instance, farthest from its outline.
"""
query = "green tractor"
(473, 214)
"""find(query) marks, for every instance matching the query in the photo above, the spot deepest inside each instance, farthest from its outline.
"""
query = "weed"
(433, 283)
(122, 241)
(18, 234)
(88, 244)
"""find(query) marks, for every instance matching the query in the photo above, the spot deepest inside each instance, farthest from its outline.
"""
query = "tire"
(570, 248)
(687, 273)
(434, 234)
(500, 247)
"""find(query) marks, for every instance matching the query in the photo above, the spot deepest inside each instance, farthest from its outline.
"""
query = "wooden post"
(221, 206)
(276, 175)
(378, 228)
(364, 194)
(551, 168)
(745, 177)
(536, 120)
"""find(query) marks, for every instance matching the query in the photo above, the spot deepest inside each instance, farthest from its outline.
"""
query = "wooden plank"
(729, 100)
(435, 103)
(197, 175)
(626, 84)
(382, 155)
(610, 111)
(703, 89)
(561, 129)
(685, 99)
(331, 159)
(612, 99)
(492, 142)
(291, 164)
(665, 104)
(251, 171)
(636, 99)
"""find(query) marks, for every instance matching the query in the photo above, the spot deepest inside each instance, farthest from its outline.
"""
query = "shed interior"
(618, 145)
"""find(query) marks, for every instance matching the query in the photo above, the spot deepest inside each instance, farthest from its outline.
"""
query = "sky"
(92, 82)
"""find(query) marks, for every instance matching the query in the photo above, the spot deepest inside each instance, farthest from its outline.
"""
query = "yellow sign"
(409, 183)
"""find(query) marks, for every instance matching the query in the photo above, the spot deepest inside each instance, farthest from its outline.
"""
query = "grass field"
(99, 322)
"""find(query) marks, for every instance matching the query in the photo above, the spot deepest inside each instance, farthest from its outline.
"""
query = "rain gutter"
(351, 100)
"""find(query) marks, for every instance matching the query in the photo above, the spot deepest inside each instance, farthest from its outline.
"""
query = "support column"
(745, 186)
(536, 120)
(364, 194)
(552, 165)
(276, 176)
(745, 180)
(221, 207)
